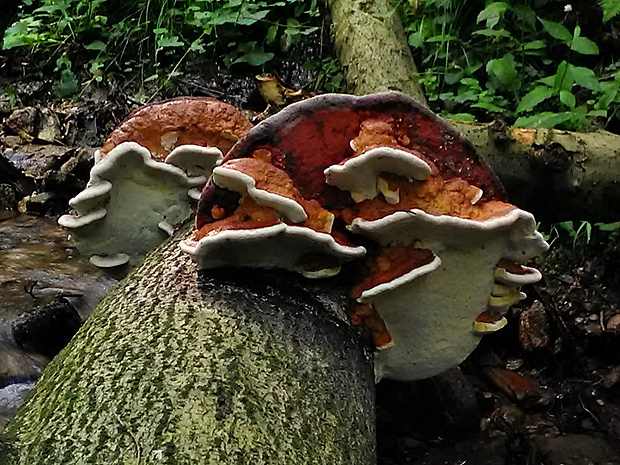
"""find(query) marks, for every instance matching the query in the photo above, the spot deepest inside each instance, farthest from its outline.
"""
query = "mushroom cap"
(276, 246)
(162, 127)
(127, 198)
(360, 174)
(308, 137)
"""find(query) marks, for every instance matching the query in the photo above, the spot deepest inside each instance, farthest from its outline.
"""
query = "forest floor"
(544, 390)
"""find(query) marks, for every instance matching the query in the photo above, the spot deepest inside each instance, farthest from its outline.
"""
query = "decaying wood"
(372, 48)
(178, 366)
(558, 175)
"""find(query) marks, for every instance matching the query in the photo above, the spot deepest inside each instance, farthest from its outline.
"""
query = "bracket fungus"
(148, 175)
(304, 189)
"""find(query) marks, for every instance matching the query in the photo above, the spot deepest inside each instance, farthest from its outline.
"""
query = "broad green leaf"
(545, 119)
(608, 226)
(535, 45)
(272, 32)
(567, 98)
(584, 45)
(526, 15)
(563, 79)
(584, 77)
(493, 33)
(611, 8)
(492, 13)
(256, 58)
(504, 69)
(534, 97)
(557, 30)
(169, 42)
(488, 106)
(96, 45)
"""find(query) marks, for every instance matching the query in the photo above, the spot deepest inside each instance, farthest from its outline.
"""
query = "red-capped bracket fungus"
(148, 176)
(300, 188)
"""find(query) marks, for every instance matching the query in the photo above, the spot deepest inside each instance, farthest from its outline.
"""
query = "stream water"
(37, 266)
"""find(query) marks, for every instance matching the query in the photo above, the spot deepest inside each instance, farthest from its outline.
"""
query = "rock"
(40, 204)
(48, 126)
(24, 123)
(613, 324)
(37, 160)
(11, 397)
(577, 449)
(534, 327)
(444, 406)
(520, 387)
(47, 329)
(7, 197)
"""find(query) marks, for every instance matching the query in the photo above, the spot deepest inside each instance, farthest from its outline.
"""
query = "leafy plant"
(522, 59)
(153, 35)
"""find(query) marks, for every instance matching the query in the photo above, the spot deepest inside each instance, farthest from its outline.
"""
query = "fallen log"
(557, 175)
(187, 367)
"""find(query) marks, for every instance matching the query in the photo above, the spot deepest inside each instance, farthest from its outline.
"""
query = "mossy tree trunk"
(180, 366)
(557, 175)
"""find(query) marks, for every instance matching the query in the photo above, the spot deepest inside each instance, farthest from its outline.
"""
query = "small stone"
(48, 128)
(613, 324)
(23, 122)
(534, 327)
(47, 329)
(593, 317)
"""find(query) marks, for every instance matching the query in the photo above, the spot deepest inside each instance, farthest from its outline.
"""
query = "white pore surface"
(137, 194)
(278, 246)
(431, 318)
(359, 174)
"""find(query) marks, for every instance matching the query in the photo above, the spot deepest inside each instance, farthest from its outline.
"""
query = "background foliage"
(535, 63)
(543, 63)
(152, 38)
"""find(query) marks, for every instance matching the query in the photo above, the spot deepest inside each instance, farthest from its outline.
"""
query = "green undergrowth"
(86, 42)
(534, 63)
(579, 236)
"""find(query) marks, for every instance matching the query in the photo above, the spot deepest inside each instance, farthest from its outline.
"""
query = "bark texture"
(178, 366)
(372, 48)
(557, 175)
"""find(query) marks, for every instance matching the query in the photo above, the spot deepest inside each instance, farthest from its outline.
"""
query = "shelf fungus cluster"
(379, 181)
(148, 176)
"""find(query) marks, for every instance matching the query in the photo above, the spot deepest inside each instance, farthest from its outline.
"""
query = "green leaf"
(67, 85)
(608, 226)
(563, 79)
(488, 106)
(96, 45)
(492, 13)
(534, 97)
(584, 46)
(255, 58)
(535, 45)
(584, 77)
(169, 42)
(272, 32)
(545, 119)
(557, 31)
(504, 69)
(567, 98)
(611, 8)
(527, 16)
(493, 33)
